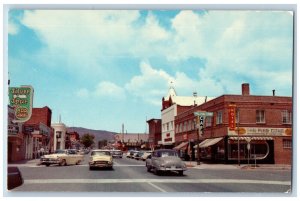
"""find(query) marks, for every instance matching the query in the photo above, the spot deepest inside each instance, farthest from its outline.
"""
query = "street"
(129, 175)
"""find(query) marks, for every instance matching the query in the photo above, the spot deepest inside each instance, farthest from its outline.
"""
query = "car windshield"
(59, 151)
(100, 153)
(167, 153)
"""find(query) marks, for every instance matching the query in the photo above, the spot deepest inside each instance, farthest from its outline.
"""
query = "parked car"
(164, 160)
(138, 155)
(135, 153)
(62, 158)
(14, 177)
(100, 158)
(131, 153)
(117, 153)
(146, 154)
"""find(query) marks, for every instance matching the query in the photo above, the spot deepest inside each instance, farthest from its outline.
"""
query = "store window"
(287, 144)
(260, 116)
(219, 117)
(286, 117)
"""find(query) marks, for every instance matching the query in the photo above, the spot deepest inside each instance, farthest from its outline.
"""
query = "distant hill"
(99, 134)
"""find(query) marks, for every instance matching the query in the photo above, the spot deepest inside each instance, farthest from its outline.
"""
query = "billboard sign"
(21, 98)
(231, 117)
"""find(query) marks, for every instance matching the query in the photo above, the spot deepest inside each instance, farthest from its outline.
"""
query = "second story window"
(208, 121)
(286, 117)
(167, 126)
(260, 116)
(219, 117)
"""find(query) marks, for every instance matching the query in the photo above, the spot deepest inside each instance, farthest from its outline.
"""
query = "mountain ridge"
(99, 134)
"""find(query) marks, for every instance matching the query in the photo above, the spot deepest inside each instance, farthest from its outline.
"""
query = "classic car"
(101, 158)
(139, 155)
(164, 160)
(62, 158)
(116, 153)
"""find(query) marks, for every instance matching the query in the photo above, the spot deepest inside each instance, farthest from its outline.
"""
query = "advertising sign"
(231, 117)
(21, 98)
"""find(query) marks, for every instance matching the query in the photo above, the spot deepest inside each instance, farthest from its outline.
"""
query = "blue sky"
(99, 69)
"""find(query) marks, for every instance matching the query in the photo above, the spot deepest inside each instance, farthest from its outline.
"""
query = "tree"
(87, 140)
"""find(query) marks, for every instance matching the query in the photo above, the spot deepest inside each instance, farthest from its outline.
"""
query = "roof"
(190, 100)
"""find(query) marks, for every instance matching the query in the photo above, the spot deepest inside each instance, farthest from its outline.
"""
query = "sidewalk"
(25, 162)
(203, 165)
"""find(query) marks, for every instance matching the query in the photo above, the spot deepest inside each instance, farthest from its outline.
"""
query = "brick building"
(171, 106)
(154, 132)
(261, 126)
(38, 134)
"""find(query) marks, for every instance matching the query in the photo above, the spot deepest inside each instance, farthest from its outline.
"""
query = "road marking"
(199, 181)
(160, 189)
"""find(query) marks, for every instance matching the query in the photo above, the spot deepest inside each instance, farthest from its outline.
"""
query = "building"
(72, 140)
(243, 129)
(16, 144)
(38, 132)
(171, 106)
(132, 141)
(60, 135)
(154, 132)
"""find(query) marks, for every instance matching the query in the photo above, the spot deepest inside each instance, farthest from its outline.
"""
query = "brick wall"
(40, 115)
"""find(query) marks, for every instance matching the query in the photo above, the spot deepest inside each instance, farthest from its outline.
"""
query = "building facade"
(171, 106)
(154, 132)
(244, 128)
(38, 133)
(60, 135)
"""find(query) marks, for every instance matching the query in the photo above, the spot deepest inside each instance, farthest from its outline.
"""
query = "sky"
(100, 69)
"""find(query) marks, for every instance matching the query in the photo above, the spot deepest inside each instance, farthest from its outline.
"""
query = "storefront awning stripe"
(251, 138)
(180, 146)
(209, 142)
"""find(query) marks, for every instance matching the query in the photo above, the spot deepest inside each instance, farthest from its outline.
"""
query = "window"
(171, 125)
(177, 128)
(286, 117)
(167, 126)
(163, 127)
(184, 126)
(180, 128)
(58, 134)
(260, 116)
(237, 116)
(190, 125)
(208, 121)
(219, 117)
(287, 144)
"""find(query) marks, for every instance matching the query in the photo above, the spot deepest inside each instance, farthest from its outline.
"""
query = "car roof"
(159, 150)
(101, 150)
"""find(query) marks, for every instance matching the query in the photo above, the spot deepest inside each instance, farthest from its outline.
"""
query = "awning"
(183, 145)
(248, 139)
(209, 142)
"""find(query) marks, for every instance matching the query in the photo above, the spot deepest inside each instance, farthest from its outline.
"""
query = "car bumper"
(100, 164)
(49, 161)
(172, 168)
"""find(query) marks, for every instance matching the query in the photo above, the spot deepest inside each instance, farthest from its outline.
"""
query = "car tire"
(91, 168)
(156, 172)
(148, 168)
(47, 165)
(180, 173)
(63, 163)
(78, 162)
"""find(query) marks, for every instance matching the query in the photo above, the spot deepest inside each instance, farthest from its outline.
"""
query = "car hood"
(101, 158)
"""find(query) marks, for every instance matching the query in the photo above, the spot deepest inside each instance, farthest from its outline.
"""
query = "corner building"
(261, 128)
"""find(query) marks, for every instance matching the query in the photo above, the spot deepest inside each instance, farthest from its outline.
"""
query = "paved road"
(129, 175)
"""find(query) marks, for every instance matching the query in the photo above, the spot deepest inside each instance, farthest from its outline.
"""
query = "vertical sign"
(20, 98)
(231, 117)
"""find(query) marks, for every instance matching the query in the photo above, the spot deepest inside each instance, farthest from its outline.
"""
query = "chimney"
(273, 92)
(245, 89)
(205, 99)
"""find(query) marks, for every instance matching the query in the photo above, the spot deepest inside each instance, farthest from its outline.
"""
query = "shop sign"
(168, 139)
(231, 117)
(21, 98)
(261, 131)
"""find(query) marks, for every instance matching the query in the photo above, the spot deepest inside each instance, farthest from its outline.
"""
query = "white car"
(62, 158)
(101, 158)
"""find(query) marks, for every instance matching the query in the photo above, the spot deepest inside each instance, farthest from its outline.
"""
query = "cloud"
(238, 46)
(109, 90)
(13, 29)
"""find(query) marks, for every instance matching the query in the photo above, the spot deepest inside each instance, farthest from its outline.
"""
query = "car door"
(154, 159)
